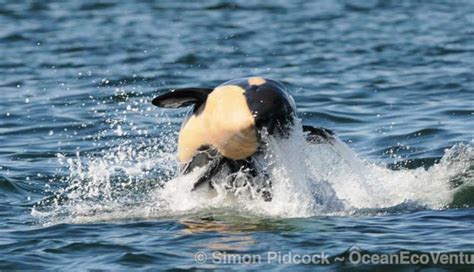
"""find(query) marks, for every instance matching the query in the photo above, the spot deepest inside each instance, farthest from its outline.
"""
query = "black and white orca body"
(225, 127)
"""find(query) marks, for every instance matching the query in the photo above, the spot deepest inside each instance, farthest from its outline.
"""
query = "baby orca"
(224, 129)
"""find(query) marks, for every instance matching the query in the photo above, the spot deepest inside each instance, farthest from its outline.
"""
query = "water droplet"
(119, 130)
(50, 133)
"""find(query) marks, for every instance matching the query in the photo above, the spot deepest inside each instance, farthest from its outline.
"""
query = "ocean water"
(88, 171)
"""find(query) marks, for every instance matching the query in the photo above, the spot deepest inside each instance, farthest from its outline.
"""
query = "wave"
(138, 179)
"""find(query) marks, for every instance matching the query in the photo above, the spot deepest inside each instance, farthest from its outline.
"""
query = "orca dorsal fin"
(182, 98)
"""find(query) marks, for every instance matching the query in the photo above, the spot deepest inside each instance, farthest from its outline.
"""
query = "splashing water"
(140, 180)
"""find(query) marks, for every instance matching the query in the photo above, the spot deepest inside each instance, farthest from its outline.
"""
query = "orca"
(225, 125)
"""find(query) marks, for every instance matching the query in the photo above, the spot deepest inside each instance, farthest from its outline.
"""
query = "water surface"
(393, 79)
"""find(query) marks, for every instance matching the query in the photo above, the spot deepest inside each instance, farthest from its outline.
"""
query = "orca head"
(231, 116)
(272, 107)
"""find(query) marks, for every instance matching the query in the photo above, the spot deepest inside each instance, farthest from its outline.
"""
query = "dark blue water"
(87, 165)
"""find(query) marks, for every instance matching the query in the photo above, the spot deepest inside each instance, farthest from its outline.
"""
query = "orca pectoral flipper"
(207, 157)
(318, 135)
(210, 171)
(182, 98)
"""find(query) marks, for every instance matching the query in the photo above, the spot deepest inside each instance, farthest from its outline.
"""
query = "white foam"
(132, 181)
